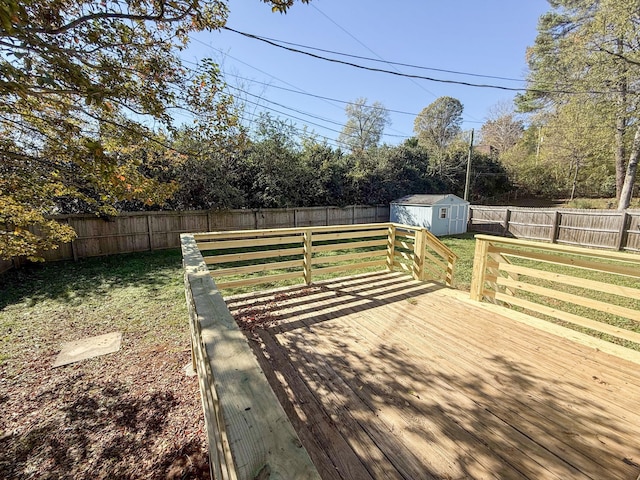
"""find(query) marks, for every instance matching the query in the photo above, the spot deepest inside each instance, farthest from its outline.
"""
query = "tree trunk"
(630, 177)
(574, 184)
(621, 123)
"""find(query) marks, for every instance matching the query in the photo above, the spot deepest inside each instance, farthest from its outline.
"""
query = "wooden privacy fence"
(247, 257)
(248, 432)
(140, 231)
(590, 289)
(609, 229)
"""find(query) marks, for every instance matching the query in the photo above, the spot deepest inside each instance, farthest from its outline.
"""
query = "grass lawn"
(130, 414)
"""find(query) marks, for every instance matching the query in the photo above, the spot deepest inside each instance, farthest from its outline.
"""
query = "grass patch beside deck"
(129, 414)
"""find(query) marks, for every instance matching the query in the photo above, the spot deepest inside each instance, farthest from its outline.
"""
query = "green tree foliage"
(590, 51)
(365, 125)
(437, 126)
(80, 83)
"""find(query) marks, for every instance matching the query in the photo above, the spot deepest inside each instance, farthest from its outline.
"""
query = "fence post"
(555, 227)
(391, 247)
(308, 251)
(150, 231)
(505, 224)
(623, 230)
(479, 269)
(209, 222)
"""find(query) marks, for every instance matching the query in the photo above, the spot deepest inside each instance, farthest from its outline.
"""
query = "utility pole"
(468, 178)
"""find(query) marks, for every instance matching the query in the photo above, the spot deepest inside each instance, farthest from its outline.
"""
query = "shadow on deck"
(386, 377)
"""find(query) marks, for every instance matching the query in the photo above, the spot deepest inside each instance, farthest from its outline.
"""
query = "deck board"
(386, 377)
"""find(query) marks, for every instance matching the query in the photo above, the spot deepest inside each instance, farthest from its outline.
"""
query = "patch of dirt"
(132, 415)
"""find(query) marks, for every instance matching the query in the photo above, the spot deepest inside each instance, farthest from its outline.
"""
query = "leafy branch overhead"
(82, 81)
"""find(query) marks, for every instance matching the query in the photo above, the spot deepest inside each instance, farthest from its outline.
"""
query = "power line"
(422, 87)
(296, 89)
(303, 112)
(345, 102)
(420, 77)
(381, 60)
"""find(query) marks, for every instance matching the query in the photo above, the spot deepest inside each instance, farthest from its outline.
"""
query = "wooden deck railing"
(592, 289)
(271, 255)
(249, 434)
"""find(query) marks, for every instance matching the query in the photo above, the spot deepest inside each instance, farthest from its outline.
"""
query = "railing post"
(479, 269)
(419, 253)
(391, 247)
(308, 250)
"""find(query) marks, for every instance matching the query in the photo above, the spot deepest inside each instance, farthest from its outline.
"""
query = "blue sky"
(487, 37)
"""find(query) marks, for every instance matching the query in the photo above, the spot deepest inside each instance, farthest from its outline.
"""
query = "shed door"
(457, 219)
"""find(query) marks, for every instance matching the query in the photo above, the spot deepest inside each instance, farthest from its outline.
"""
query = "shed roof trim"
(426, 199)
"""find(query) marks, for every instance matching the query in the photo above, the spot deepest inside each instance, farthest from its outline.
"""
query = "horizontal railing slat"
(347, 257)
(240, 257)
(624, 270)
(348, 246)
(258, 280)
(566, 316)
(603, 287)
(351, 266)
(260, 267)
(347, 235)
(571, 298)
(252, 242)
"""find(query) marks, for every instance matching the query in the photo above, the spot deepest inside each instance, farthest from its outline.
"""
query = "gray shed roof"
(426, 199)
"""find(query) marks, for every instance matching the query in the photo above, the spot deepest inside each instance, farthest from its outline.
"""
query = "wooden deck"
(385, 377)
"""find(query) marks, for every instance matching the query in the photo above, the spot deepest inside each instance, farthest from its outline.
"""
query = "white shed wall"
(428, 216)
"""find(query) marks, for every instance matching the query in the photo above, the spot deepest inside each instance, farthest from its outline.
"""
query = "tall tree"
(503, 128)
(592, 50)
(437, 126)
(82, 80)
(365, 125)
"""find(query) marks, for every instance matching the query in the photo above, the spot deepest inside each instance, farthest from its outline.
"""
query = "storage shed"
(440, 214)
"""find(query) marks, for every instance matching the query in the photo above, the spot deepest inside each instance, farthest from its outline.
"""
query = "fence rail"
(140, 231)
(608, 229)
